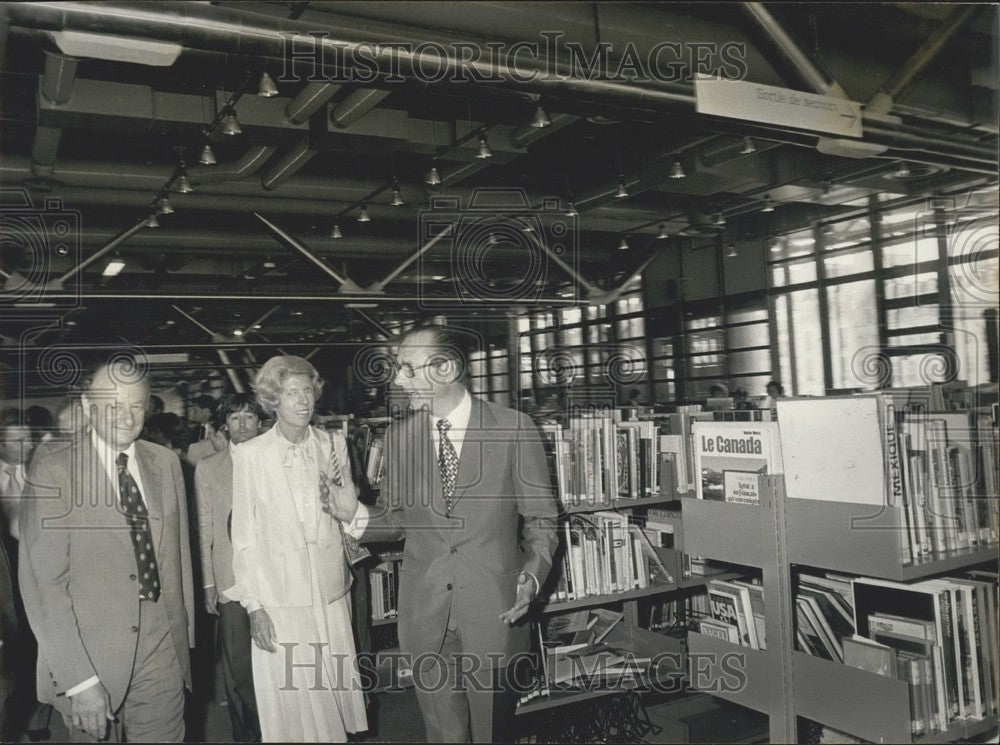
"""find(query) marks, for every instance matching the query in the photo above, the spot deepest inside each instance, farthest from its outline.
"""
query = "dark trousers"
(153, 710)
(235, 646)
(466, 699)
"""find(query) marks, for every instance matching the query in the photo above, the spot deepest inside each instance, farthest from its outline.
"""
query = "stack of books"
(737, 613)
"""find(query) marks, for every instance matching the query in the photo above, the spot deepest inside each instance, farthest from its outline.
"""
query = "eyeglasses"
(409, 370)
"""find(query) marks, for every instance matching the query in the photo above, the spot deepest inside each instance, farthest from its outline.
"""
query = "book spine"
(894, 473)
(948, 652)
(961, 653)
(903, 672)
(975, 642)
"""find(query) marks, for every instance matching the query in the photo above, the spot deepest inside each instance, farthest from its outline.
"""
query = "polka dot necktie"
(447, 462)
(142, 538)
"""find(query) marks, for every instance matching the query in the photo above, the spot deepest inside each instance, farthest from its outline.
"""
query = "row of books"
(383, 584)
(368, 450)
(939, 468)
(596, 458)
(737, 612)
(604, 553)
(937, 635)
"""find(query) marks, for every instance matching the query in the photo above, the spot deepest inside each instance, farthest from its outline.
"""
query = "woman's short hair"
(271, 377)
(233, 403)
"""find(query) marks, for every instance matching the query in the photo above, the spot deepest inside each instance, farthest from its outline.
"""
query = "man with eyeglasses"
(461, 473)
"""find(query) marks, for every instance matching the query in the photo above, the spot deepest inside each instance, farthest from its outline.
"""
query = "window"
(853, 333)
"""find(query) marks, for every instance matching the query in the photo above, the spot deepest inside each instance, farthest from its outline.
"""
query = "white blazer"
(271, 559)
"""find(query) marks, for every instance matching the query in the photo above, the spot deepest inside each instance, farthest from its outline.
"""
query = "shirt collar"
(104, 449)
(459, 416)
(289, 449)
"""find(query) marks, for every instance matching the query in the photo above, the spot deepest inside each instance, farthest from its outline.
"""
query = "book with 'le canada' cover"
(729, 457)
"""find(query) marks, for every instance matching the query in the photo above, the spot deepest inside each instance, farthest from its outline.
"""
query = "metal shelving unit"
(782, 682)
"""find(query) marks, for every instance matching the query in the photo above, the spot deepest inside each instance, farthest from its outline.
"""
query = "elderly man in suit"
(105, 570)
(239, 416)
(461, 473)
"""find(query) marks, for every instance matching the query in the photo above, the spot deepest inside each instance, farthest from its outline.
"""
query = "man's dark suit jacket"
(466, 564)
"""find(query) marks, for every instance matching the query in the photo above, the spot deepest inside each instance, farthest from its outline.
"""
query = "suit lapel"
(475, 449)
(152, 484)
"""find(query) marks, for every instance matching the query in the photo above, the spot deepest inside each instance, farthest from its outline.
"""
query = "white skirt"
(310, 689)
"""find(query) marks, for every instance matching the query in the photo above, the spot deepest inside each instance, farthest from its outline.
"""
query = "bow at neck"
(301, 451)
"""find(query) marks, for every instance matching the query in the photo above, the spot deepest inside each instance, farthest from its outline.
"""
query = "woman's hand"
(262, 630)
(339, 501)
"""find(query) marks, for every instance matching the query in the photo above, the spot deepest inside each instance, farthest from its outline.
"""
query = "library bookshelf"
(785, 683)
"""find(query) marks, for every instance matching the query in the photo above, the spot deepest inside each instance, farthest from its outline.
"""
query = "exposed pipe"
(298, 111)
(287, 165)
(309, 101)
(56, 89)
(884, 100)
(205, 26)
(809, 70)
(444, 303)
(247, 165)
(356, 105)
(57, 81)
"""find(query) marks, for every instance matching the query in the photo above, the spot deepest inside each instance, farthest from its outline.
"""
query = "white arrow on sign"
(738, 99)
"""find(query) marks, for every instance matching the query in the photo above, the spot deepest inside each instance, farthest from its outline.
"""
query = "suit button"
(135, 629)
(132, 577)
(449, 586)
(454, 550)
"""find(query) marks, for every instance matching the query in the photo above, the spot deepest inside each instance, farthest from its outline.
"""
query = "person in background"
(17, 446)
(289, 564)
(774, 391)
(238, 416)
(41, 422)
(206, 438)
(155, 406)
(718, 390)
(468, 487)
(105, 570)
(9, 628)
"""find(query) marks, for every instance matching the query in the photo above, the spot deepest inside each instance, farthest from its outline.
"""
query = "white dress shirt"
(12, 479)
(459, 419)
(108, 455)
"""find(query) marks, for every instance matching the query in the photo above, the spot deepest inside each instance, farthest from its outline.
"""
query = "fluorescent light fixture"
(114, 267)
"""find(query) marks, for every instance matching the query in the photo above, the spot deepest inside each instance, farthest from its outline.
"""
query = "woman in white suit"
(289, 565)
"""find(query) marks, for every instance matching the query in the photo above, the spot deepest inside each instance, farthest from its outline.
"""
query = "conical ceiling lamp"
(267, 88)
(207, 156)
(484, 148)
(541, 119)
(231, 125)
